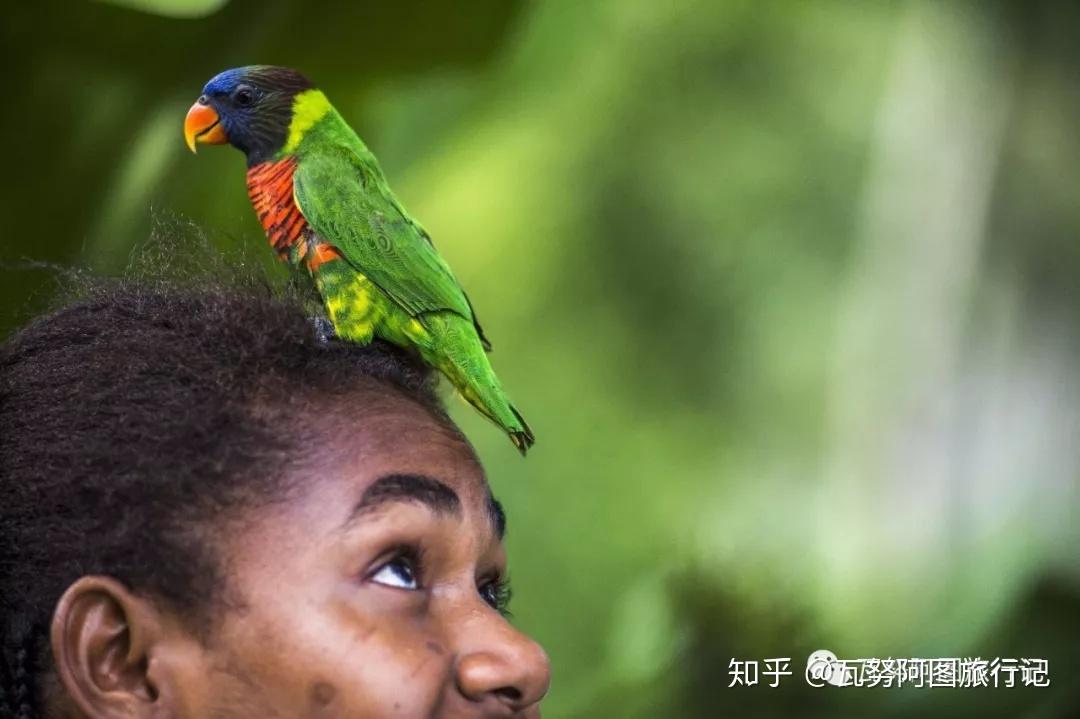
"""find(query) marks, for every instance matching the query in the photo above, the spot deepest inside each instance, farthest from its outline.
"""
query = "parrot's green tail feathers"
(524, 438)
(453, 345)
(496, 408)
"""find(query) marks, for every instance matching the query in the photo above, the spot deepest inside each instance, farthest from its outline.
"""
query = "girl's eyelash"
(498, 594)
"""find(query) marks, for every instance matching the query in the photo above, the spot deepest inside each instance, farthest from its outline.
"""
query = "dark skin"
(368, 592)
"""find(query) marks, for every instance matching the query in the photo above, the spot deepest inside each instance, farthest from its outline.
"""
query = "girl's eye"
(497, 594)
(398, 572)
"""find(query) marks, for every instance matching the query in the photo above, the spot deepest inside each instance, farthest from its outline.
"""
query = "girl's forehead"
(352, 442)
(392, 430)
(400, 450)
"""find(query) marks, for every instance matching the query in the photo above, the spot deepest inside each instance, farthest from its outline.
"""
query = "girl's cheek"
(389, 666)
(387, 673)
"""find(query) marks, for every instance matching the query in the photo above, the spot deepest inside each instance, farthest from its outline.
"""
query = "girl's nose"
(505, 667)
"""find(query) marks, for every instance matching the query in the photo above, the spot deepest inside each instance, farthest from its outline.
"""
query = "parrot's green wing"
(351, 208)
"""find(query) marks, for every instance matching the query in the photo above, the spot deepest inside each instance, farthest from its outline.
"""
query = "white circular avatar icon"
(822, 667)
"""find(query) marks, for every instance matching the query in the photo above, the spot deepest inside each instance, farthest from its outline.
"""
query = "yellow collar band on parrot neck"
(309, 107)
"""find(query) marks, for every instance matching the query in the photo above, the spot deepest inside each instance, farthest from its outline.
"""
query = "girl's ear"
(116, 653)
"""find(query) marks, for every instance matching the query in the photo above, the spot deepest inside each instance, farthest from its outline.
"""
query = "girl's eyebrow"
(430, 492)
(435, 495)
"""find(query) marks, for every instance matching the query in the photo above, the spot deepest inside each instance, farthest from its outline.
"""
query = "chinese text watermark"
(823, 667)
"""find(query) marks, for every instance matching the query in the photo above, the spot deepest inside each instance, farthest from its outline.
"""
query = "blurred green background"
(788, 290)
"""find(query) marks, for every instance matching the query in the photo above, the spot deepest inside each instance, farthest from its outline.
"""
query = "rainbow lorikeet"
(325, 205)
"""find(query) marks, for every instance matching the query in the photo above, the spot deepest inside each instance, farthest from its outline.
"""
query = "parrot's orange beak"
(202, 124)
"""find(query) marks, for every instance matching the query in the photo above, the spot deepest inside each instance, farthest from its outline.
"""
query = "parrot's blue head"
(248, 107)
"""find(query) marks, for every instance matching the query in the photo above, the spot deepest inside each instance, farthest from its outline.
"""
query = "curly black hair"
(132, 420)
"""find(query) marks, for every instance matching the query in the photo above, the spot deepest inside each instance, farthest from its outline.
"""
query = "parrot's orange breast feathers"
(270, 187)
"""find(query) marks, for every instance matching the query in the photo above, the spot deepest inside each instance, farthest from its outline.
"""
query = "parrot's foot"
(324, 330)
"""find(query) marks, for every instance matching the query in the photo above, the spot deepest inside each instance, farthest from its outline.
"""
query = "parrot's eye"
(244, 96)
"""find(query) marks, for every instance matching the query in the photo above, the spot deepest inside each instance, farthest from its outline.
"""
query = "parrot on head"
(326, 207)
